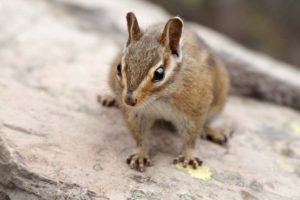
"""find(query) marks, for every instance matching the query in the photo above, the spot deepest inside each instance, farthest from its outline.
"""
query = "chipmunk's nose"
(129, 99)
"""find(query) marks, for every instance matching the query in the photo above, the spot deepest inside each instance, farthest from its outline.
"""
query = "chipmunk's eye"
(158, 74)
(119, 69)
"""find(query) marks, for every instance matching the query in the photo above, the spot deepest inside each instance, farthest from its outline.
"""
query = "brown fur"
(194, 92)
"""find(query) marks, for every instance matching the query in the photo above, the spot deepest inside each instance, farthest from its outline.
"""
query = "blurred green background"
(269, 26)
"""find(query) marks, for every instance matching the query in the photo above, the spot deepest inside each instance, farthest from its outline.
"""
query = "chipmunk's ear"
(134, 31)
(172, 34)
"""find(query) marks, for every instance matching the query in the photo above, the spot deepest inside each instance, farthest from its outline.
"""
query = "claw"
(185, 163)
(147, 162)
(192, 161)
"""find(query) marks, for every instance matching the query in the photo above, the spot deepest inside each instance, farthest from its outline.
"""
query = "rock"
(185, 197)
(256, 186)
(229, 178)
(56, 142)
(4, 196)
(247, 196)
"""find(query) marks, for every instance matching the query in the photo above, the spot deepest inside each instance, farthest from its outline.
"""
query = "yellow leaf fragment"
(295, 127)
(203, 172)
(284, 165)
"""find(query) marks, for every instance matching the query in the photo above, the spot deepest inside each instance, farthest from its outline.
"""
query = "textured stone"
(56, 142)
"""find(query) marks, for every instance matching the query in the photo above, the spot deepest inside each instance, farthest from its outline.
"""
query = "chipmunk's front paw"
(138, 162)
(186, 160)
(107, 100)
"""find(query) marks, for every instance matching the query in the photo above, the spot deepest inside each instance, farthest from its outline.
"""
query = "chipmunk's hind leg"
(107, 100)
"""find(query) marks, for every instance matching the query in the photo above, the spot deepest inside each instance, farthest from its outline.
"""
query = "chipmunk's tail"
(250, 83)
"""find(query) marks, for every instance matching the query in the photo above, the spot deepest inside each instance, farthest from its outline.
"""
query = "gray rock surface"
(56, 142)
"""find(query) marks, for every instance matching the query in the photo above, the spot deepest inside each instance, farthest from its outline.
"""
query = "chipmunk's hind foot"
(107, 100)
(218, 136)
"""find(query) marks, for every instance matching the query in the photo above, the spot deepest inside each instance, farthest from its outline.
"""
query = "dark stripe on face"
(140, 58)
(134, 76)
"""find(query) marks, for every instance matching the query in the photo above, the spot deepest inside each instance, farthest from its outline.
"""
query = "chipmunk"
(167, 72)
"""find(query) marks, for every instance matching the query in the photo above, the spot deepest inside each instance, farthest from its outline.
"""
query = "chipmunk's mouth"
(136, 103)
(130, 99)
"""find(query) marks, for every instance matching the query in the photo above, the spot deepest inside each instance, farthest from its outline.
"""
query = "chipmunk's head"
(150, 61)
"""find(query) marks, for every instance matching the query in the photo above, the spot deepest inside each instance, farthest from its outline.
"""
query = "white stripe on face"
(124, 77)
